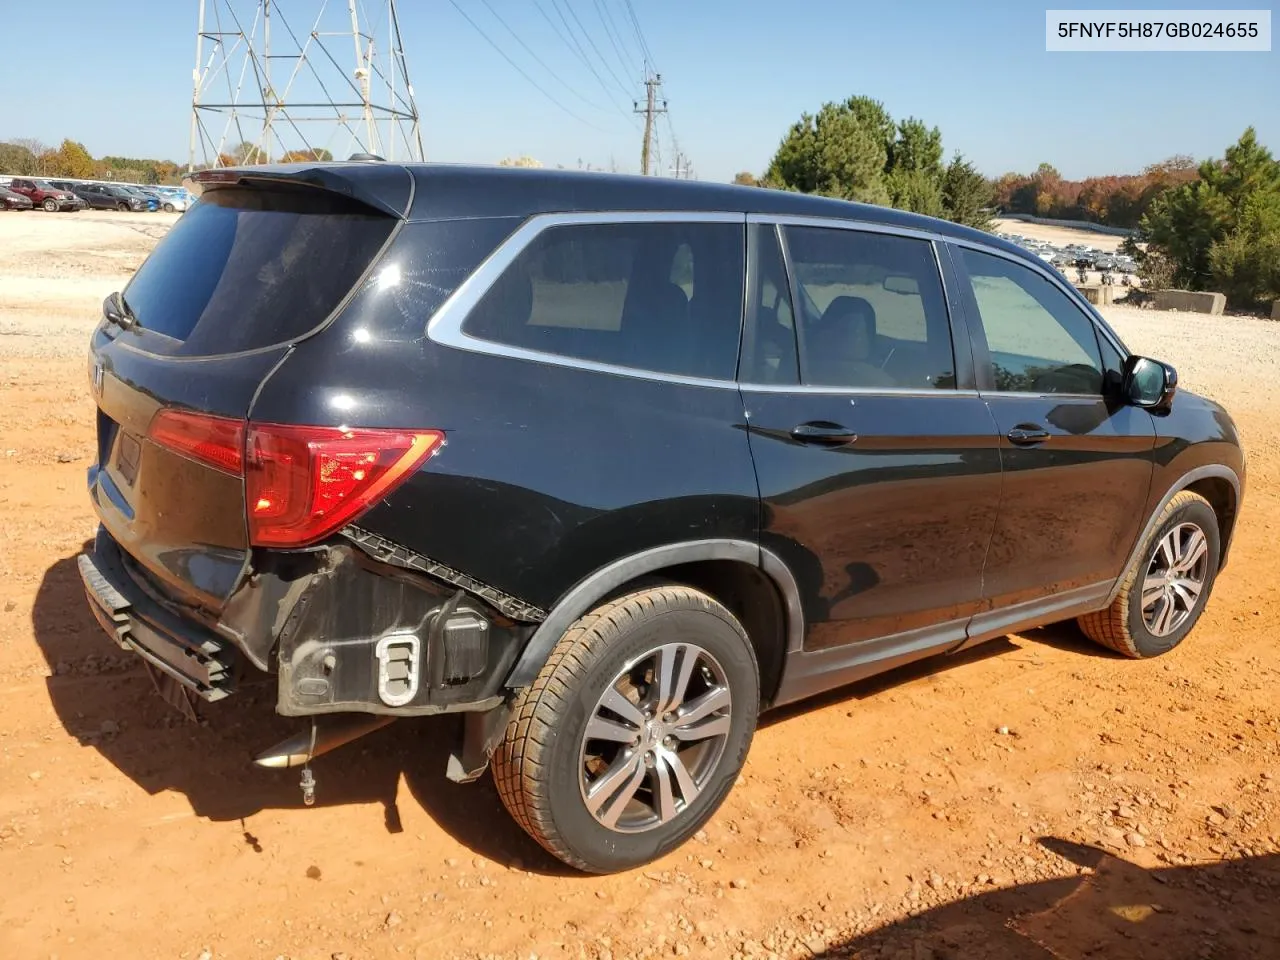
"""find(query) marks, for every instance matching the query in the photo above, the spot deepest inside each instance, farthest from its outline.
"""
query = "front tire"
(50, 206)
(633, 732)
(1165, 592)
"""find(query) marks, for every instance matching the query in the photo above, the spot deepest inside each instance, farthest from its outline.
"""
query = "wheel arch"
(732, 571)
(1218, 484)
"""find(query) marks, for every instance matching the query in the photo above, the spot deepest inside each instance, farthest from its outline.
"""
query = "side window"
(1039, 341)
(769, 347)
(657, 296)
(871, 310)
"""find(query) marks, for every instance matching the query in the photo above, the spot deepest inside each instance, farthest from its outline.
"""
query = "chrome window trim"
(445, 326)
(833, 223)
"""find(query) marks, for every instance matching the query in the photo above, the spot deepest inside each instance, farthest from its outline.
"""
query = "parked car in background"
(174, 199)
(9, 200)
(150, 203)
(70, 187)
(108, 196)
(820, 440)
(45, 195)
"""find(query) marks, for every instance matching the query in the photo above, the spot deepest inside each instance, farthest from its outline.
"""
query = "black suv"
(106, 196)
(612, 464)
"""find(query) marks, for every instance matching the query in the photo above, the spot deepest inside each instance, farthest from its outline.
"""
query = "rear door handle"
(1026, 434)
(823, 433)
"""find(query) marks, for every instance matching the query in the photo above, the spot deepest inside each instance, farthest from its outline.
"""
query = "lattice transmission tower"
(303, 78)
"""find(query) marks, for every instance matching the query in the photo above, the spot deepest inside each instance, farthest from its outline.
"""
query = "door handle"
(823, 433)
(1026, 434)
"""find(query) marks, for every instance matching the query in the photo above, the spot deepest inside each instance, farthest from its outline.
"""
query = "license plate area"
(128, 455)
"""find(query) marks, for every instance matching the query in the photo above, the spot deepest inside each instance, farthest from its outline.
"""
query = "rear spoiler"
(386, 187)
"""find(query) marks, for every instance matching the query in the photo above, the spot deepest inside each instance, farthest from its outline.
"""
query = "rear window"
(248, 268)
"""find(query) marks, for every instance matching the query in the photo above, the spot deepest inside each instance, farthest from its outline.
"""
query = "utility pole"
(682, 169)
(652, 107)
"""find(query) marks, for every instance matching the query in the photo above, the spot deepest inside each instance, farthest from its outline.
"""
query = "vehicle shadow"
(1117, 910)
(890, 679)
(105, 699)
(1067, 636)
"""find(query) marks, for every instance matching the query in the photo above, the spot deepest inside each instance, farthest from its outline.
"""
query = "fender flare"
(588, 592)
(1217, 470)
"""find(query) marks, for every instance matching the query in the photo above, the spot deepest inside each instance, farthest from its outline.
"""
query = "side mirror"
(1149, 383)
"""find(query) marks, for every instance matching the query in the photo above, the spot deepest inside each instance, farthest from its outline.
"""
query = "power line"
(635, 23)
(576, 49)
(538, 59)
(537, 86)
(611, 31)
(621, 86)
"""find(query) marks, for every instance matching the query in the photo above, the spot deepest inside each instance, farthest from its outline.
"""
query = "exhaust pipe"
(329, 735)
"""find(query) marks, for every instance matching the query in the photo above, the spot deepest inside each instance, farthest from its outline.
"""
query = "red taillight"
(302, 483)
(217, 442)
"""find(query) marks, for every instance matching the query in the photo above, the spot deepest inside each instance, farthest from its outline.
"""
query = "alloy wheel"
(655, 738)
(1175, 579)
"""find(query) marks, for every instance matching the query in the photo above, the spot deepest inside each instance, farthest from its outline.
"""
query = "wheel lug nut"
(649, 760)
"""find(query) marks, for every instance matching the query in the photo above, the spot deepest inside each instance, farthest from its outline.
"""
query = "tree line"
(1213, 225)
(31, 158)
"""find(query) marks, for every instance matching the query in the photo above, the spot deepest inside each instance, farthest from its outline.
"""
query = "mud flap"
(176, 694)
(481, 732)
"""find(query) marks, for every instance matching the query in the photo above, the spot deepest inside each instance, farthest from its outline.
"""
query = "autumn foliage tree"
(1118, 201)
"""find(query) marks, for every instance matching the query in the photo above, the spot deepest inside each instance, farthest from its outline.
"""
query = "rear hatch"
(257, 265)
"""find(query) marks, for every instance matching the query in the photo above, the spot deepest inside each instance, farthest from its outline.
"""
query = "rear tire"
(1174, 575)
(668, 679)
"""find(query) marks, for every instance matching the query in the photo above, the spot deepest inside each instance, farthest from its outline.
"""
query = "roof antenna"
(366, 157)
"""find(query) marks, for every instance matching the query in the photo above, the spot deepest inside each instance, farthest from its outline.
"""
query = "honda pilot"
(610, 465)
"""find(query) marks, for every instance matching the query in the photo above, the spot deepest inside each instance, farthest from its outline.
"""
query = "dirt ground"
(1127, 810)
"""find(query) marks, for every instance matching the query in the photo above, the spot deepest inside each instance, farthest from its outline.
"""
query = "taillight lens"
(217, 442)
(302, 483)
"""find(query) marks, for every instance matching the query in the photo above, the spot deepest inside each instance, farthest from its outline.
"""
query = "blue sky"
(736, 75)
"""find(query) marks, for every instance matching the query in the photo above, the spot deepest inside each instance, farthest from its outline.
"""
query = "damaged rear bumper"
(186, 653)
(341, 630)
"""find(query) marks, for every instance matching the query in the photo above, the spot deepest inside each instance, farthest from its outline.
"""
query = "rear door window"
(872, 311)
(657, 296)
(248, 268)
